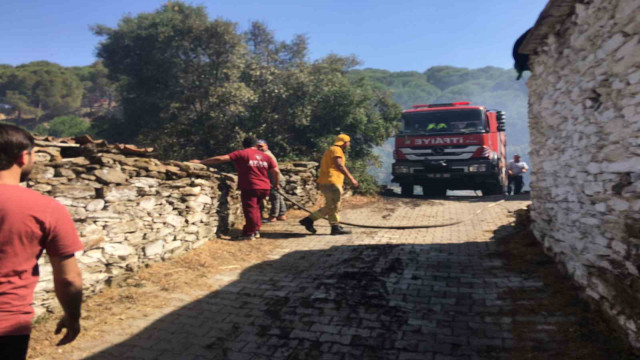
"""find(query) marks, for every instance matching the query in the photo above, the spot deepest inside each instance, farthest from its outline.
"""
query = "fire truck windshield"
(444, 121)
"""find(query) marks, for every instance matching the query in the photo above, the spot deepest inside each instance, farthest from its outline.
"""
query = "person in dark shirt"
(254, 168)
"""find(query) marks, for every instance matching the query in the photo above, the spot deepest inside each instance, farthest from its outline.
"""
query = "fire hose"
(399, 227)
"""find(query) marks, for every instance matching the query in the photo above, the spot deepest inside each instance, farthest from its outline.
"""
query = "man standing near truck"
(330, 180)
(30, 223)
(515, 169)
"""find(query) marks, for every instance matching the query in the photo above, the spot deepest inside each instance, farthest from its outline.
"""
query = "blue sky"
(385, 34)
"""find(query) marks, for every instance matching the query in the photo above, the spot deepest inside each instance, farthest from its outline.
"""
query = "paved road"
(376, 294)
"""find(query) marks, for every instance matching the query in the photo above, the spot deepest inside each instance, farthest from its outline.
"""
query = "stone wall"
(131, 210)
(584, 108)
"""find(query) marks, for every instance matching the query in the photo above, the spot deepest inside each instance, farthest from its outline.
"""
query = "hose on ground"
(399, 227)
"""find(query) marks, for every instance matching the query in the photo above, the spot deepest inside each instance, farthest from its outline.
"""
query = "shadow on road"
(359, 302)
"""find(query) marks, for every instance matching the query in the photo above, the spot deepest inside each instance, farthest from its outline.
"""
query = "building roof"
(554, 13)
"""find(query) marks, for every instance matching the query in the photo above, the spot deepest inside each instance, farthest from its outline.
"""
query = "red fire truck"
(454, 146)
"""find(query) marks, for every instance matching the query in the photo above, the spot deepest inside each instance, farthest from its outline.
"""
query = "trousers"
(515, 184)
(332, 199)
(251, 199)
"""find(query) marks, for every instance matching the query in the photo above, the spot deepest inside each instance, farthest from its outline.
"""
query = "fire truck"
(452, 146)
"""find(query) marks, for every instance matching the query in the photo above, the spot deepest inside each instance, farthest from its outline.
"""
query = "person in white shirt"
(515, 169)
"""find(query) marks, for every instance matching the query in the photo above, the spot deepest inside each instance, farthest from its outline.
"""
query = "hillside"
(493, 87)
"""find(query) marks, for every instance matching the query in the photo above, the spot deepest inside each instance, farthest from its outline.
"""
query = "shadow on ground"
(441, 301)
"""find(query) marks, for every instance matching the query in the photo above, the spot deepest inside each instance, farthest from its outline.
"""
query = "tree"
(64, 126)
(47, 87)
(178, 77)
(97, 86)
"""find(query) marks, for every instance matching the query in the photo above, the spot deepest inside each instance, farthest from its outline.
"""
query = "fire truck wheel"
(406, 189)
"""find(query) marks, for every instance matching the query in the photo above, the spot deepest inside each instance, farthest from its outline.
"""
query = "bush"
(368, 185)
(64, 126)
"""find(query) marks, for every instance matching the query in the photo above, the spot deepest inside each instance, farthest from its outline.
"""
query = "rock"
(147, 203)
(120, 251)
(95, 254)
(77, 213)
(203, 199)
(42, 188)
(53, 152)
(110, 176)
(120, 193)
(74, 191)
(191, 190)
(173, 247)
(144, 182)
(42, 157)
(95, 205)
(154, 249)
(123, 227)
(77, 161)
(176, 221)
(66, 173)
(42, 172)
(104, 216)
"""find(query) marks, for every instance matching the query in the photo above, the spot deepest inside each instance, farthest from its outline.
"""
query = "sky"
(396, 35)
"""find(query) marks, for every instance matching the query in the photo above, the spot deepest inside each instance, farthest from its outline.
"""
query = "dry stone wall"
(584, 110)
(131, 211)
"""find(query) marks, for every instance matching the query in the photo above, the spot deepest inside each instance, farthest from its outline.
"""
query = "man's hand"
(73, 329)
(195, 161)
(354, 182)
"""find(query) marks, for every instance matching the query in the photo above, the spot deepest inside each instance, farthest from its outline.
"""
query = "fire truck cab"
(452, 146)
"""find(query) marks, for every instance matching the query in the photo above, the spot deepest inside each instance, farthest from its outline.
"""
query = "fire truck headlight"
(402, 169)
(478, 168)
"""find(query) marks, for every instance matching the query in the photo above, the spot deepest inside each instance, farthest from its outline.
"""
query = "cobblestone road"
(376, 294)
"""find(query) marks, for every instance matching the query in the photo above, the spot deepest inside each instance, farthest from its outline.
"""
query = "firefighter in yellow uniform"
(330, 181)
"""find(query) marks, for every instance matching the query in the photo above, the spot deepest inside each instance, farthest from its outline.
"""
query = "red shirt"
(29, 223)
(253, 168)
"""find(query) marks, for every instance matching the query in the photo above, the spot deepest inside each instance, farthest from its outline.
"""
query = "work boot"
(338, 230)
(308, 224)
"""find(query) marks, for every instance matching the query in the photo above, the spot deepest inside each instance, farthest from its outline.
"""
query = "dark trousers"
(251, 200)
(14, 347)
(515, 184)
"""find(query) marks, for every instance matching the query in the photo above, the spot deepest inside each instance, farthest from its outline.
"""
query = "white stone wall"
(584, 108)
(131, 211)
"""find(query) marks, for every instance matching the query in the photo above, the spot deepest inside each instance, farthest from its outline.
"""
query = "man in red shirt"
(30, 223)
(254, 168)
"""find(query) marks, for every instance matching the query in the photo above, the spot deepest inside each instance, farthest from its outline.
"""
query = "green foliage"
(64, 126)
(367, 182)
(40, 87)
(194, 87)
(96, 84)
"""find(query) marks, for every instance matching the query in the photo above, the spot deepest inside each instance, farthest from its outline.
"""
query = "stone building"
(584, 120)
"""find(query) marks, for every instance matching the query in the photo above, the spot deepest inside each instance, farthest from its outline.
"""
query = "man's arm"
(343, 169)
(67, 280)
(213, 160)
(525, 168)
